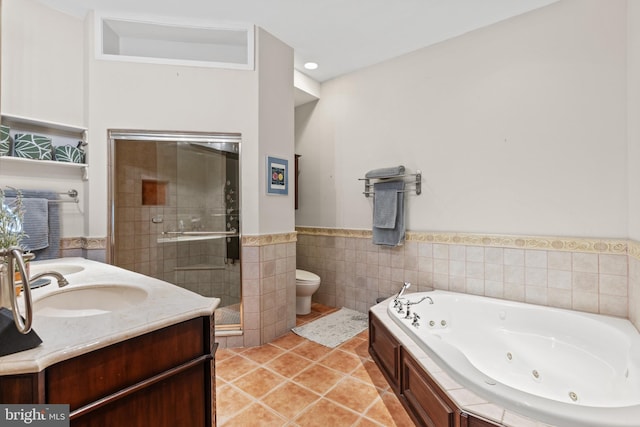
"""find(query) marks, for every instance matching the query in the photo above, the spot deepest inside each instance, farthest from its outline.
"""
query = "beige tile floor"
(295, 382)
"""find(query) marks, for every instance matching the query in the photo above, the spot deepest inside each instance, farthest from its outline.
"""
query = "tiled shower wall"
(597, 276)
(268, 290)
(198, 266)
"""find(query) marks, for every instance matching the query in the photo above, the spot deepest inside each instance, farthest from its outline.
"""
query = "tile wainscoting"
(592, 275)
(93, 248)
(268, 284)
(268, 289)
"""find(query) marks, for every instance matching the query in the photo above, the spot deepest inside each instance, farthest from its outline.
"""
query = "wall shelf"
(170, 41)
(60, 134)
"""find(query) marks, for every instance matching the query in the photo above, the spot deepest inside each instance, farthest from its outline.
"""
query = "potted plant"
(11, 229)
(11, 217)
(15, 331)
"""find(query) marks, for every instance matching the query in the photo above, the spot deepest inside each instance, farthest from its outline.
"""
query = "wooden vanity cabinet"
(162, 378)
(427, 404)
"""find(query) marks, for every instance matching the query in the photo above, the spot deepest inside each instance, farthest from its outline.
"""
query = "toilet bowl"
(306, 284)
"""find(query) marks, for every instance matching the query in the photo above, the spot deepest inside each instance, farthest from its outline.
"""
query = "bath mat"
(335, 328)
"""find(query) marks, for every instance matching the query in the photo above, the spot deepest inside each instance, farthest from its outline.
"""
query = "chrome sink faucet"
(12, 260)
(62, 281)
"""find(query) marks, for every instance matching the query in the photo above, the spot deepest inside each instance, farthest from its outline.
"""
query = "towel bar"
(71, 193)
(417, 183)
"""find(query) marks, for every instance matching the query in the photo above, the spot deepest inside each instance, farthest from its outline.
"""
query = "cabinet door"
(419, 393)
(385, 350)
(177, 401)
(92, 376)
(22, 388)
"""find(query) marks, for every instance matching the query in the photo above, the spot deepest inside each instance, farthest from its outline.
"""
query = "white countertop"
(66, 337)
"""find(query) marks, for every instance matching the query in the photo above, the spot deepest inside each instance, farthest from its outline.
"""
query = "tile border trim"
(101, 242)
(573, 244)
(269, 239)
(83, 243)
(611, 246)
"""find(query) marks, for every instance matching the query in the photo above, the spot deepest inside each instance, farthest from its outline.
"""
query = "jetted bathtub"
(561, 367)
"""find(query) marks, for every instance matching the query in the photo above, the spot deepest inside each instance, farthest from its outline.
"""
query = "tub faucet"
(62, 281)
(405, 286)
(410, 303)
(415, 322)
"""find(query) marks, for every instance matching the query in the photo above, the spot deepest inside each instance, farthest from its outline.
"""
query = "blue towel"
(394, 235)
(385, 203)
(385, 172)
(53, 249)
(35, 223)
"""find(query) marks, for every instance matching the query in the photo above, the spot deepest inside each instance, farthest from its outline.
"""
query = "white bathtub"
(558, 366)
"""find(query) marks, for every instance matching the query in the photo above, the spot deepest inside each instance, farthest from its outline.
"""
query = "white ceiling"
(340, 35)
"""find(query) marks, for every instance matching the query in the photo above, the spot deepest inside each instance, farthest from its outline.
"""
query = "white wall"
(42, 77)
(276, 121)
(633, 117)
(50, 73)
(518, 128)
(42, 62)
(128, 95)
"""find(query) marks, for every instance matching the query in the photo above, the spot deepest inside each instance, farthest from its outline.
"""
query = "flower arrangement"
(11, 218)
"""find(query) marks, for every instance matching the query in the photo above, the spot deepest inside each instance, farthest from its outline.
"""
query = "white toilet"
(306, 284)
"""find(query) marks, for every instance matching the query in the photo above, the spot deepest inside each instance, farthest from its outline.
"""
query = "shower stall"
(175, 212)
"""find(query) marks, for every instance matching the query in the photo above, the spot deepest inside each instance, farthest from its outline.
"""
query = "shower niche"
(176, 213)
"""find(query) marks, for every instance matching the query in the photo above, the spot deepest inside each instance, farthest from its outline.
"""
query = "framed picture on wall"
(277, 176)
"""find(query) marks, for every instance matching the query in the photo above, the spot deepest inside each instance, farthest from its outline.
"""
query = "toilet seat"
(307, 277)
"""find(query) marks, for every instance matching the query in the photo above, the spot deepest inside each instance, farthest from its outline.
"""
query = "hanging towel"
(54, 226)
(390, 230)
(385, 172)
(35, 223)
(385, 203)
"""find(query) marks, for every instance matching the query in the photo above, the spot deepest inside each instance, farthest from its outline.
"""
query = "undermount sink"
(64, 269)
(84, 301)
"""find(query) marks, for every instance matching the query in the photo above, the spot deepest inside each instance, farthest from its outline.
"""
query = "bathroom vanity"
(138, 352)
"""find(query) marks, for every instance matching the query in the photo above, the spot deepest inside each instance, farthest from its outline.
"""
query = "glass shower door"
(206, 234)
(176, 213)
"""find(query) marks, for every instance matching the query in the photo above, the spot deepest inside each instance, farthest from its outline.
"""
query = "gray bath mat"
(335, 328)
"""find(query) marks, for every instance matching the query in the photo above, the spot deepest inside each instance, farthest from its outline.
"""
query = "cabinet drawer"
(177, 401)
(384, 347)
(89, 377)
(420, 393)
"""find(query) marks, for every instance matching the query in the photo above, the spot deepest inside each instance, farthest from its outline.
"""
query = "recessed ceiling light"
(310, 65)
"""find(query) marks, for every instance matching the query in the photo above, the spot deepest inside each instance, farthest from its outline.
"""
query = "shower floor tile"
(295, 382)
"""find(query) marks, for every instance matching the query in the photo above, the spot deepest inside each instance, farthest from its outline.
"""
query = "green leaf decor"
(5, 141)
(69, 153)
(30, 146)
